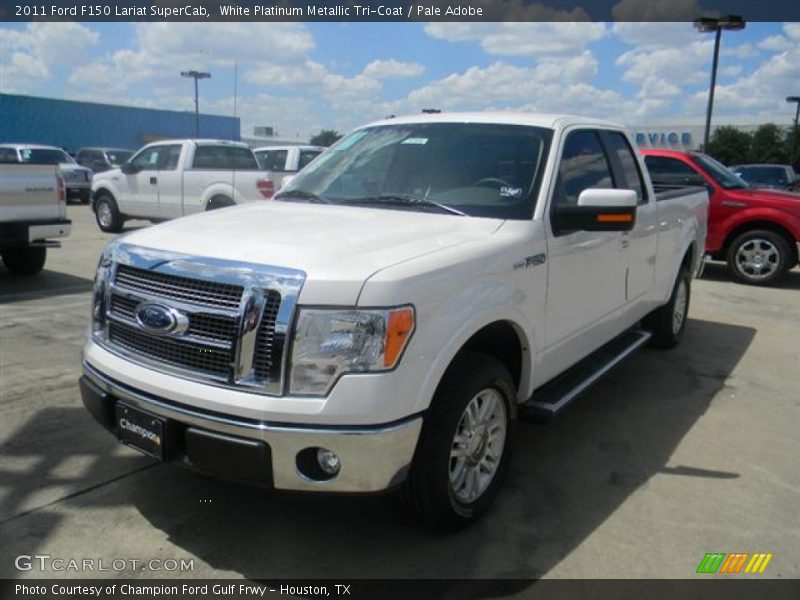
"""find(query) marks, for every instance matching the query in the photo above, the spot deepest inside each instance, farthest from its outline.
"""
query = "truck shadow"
(46, 283)
(566, 479)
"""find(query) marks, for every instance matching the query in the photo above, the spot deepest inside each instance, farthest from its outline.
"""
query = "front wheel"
(668, 322)
(759, 257)
(107, 214)
(464, 447)
(25, 261)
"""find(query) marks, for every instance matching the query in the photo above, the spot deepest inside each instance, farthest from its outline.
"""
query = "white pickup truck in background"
(77, 178)
(406, 296)
(281, 162)
(33, 211)
(173, 178)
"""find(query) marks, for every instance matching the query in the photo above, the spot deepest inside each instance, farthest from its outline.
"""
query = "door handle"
(153, 181)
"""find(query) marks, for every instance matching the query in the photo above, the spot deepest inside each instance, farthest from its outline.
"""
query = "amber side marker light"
(398, 332)
(614, 218)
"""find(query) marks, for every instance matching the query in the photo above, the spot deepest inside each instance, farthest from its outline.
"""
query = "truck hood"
(338, 247)
(766, 197)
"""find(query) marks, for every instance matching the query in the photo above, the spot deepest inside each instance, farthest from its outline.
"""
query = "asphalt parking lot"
(672, 456)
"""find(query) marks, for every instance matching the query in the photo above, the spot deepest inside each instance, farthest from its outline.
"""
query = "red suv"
(756, 231)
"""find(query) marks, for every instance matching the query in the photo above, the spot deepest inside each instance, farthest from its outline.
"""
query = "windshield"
(482, 170)
(44, 156)
(117, 157)
(720, 173)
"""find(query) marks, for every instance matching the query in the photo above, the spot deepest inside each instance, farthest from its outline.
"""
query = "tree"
(769, 145)
(730, 145)
(326, 137)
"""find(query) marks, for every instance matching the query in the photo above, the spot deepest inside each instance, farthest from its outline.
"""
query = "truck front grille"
(207, 348)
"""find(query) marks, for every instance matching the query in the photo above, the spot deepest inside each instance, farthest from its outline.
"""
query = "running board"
(551, 398)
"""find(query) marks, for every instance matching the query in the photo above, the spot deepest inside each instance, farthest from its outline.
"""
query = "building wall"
(677, 137)
(73, 125)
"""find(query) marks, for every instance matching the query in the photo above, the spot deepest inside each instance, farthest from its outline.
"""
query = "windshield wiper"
(300, 195)
(401, 200)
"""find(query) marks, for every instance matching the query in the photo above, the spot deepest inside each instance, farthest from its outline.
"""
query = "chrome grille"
(269, 346)
(185, 289)
(187, 355)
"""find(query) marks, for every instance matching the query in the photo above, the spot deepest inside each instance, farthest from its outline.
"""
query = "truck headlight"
(99, 289)
(328, 343)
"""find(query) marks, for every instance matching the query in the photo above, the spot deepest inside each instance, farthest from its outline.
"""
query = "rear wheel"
(759, 257)
(463, 450)
(25, 261)
(219, 202)
(668, 322)
(107, 214)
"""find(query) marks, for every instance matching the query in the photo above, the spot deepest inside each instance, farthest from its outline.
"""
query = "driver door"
(139, 190)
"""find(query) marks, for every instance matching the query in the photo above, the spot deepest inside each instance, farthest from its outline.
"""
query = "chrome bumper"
(372, 458)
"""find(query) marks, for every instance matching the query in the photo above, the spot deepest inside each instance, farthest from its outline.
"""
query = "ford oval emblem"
(159, 319)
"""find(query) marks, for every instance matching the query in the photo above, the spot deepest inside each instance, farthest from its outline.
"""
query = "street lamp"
(196, 75)
(711, 25)
(796, 100)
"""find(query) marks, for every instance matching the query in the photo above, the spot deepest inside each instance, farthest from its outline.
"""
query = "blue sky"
(302, 77)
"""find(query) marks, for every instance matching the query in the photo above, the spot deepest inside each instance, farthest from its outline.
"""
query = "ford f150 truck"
(78, 179)
(412, 291)
(33, 211)
(281, 162)
(756, 231)
(173, 178)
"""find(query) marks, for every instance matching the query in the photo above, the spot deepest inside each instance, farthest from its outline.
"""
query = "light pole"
(196, 75)
(709, 25)
(796, 100)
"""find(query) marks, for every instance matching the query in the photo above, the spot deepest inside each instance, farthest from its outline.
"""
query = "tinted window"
(720, 173)
(44, 156)
(583, 165)
(777, 176)
(117, 157)
(306, 156)
(667, 171)
(273, 160)
(482, 170)
(170, 155)
(147, 159)
(630, 167)
(223, 157)
(8, 155)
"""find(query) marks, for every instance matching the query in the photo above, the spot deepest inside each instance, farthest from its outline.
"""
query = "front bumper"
(372, 458)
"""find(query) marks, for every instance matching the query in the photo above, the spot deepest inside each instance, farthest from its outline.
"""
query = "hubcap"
(478, 445)
(757, 258)
(679, 310)
(104, 214)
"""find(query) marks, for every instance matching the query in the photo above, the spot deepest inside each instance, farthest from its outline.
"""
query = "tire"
(759, 257)
(667, 323)
(25, 261)
(219, 202)
(107, 214)
(435, 490)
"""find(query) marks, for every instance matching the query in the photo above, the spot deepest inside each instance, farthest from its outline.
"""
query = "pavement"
(673, 455)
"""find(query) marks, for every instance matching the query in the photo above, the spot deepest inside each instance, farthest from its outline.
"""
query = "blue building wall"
(73, 125)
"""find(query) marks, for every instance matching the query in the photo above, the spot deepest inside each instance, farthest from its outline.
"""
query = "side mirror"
(597, 210)
(129, 168)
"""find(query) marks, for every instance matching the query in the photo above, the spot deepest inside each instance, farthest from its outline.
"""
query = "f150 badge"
(161, 320)
(530, 261)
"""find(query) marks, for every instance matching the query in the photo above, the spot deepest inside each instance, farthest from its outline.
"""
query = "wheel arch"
(764, 224)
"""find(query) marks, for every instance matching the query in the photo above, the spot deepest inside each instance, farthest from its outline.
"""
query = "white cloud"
(393, 69)
(517, 39)
(674, 65)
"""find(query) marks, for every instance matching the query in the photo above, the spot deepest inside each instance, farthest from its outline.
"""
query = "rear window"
(117, 157)
(44, 156)
(306, 156)
(273, 160)
(223, 157)
(768, 175)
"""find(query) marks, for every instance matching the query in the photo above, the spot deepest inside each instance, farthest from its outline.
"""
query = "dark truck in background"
(756, 231)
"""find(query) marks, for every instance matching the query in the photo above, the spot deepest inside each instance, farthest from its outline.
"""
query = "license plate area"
(140, 430)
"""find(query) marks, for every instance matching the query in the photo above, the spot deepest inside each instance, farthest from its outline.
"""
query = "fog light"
(328, 461)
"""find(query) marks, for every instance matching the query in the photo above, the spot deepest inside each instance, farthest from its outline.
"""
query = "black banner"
(396, 10)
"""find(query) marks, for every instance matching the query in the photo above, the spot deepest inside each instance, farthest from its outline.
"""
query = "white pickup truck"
(173, 178)
(281, 162)
(33, 211)
(421, 284)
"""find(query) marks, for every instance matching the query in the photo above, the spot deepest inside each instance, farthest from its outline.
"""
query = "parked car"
(777, 177)
(284, 161)
(33, 212)
(78, 179)
(102, 159)
(173, 178)
(756, 231)
(402, 300)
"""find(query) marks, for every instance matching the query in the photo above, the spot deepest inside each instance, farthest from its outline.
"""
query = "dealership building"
(684, 137)
(73, 125)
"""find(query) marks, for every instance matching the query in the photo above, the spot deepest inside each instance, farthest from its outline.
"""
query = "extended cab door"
(586, 274)
(170, 182)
